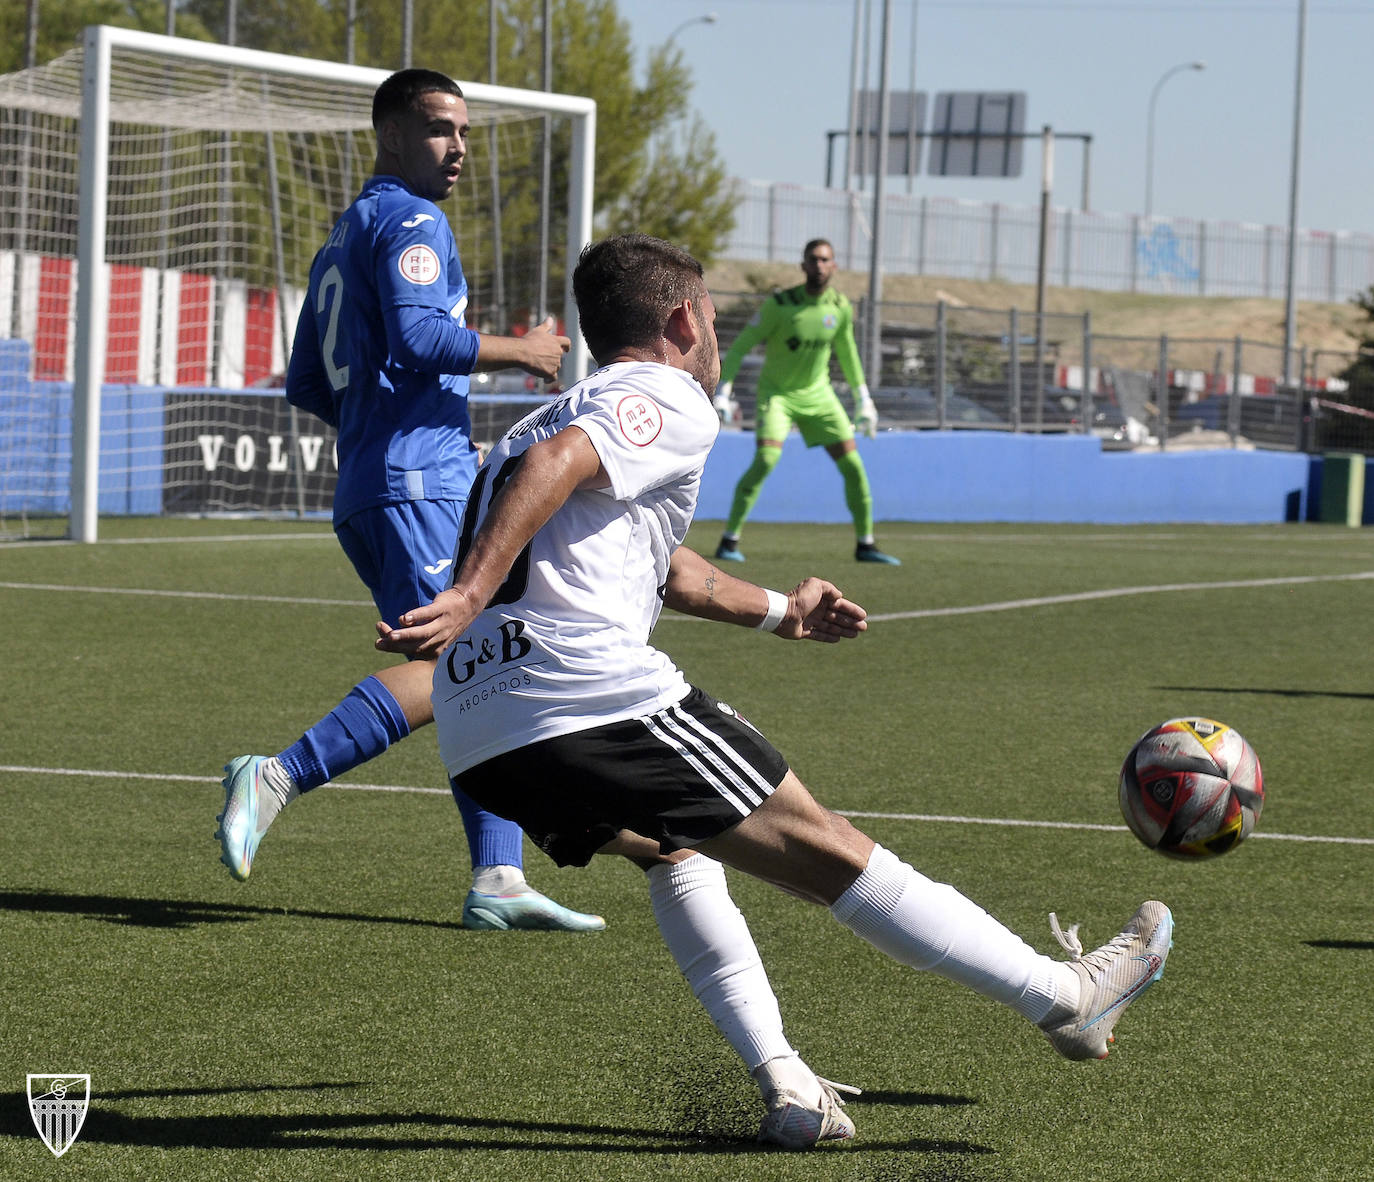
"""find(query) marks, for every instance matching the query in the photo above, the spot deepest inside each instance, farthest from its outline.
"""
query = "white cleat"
(1110, 979)
(794, 1123)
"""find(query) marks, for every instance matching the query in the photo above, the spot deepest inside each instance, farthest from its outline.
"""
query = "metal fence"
(1102, 251)
(961, 368)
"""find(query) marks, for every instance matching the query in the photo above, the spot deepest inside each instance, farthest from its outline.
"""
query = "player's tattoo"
(711, 584)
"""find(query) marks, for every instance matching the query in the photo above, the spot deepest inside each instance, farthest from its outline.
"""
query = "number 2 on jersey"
(331, 293)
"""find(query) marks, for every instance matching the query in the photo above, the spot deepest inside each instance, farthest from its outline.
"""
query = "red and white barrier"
(171, 328)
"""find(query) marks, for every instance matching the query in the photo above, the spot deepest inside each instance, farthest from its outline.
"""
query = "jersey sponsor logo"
(419, 265)
(418, 220)
(639, 418)
(467, 666)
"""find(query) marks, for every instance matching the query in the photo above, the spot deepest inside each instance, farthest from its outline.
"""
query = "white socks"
(711, 944)
(930, 925)
(281, 788)
(498, 880)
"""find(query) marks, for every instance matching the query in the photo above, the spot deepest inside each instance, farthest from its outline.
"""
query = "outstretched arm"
(816, 610)
(539, 352)
(548, 474)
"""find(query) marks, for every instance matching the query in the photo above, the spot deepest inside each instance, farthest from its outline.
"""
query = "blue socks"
(492, 840)
(360, 728)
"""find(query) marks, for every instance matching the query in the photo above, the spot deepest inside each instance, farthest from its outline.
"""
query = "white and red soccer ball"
(1191, 788)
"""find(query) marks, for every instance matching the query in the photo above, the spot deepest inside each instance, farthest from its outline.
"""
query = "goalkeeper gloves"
(724, 404)
(865, 413)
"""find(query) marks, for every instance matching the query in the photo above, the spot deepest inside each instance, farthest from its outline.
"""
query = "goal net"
(155, 243)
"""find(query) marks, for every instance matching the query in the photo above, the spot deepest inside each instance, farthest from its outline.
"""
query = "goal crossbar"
(92, 296)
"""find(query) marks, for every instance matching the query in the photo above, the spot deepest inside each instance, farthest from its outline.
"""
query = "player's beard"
(703, 362)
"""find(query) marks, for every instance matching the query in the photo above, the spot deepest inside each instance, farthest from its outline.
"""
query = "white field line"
(49, 543)
(298, 600)
(1117, 593)
(927, 818)
(921, 614)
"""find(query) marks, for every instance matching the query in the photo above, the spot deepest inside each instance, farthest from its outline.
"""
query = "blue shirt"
(382, 352)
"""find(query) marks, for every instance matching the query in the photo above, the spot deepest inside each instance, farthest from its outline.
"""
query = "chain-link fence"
(962, 368)
(987, 240)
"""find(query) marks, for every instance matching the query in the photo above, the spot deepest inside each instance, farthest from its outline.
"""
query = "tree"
(1350, 429)
(1360, 374)
(681, 195)
(689, 200)
(654, 172)
(60, 23)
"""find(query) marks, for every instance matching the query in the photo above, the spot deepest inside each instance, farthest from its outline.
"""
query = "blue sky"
(772, 76)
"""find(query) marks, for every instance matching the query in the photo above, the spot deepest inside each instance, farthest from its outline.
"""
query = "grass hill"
(1330, 328)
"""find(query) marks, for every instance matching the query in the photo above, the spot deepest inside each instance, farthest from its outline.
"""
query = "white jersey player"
(564, 644)
(567, 615)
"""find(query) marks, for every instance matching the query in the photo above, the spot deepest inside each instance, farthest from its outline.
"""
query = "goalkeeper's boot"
(525, 910)
(868, 552)
(256, 789)
(794, 1123)
(729, 551)
(1110, 978)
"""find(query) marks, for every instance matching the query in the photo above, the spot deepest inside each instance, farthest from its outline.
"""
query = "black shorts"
(680, 777)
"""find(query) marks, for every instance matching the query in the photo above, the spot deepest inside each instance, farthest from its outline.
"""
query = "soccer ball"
(1191, 788)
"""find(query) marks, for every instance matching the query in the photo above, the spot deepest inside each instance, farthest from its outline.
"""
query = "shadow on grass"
(180, 913)
(354, 1130)
(1279, 693)
(909, 1099)
(1343, 945)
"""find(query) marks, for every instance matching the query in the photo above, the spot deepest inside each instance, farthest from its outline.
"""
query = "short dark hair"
(815, 242)
(402, 91)
(626, 288)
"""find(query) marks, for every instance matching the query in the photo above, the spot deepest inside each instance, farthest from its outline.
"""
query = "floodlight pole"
(1150, 129)
(849, 161)
(1042, 267)
(706, 18)
(1290, 307)
(874, 367)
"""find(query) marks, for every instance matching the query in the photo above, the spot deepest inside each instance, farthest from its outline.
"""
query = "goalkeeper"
(801, 326)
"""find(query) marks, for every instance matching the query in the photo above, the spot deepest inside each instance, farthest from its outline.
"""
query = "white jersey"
(564, 643)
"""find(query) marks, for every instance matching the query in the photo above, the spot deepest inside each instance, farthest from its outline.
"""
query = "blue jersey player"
(382, 353)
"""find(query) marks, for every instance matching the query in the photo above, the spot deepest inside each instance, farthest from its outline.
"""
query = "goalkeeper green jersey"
(800, 330)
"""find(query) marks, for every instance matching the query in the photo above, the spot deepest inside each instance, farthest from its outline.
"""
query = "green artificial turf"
(329, 1019)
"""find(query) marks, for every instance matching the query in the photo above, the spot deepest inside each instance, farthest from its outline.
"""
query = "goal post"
(208, 176)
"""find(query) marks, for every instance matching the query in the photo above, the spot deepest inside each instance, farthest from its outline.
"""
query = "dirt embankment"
(1330, 328)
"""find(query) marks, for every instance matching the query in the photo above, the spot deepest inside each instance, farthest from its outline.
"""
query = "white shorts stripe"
(681, 724)
(709, 737)
(668, 740)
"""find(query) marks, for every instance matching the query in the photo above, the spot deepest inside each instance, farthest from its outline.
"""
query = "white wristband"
(777, 608)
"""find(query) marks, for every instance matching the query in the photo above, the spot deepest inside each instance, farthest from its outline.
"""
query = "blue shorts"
(404, 553)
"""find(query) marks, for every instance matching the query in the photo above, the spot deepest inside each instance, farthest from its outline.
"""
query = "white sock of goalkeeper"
(711, 944)
(929, 925)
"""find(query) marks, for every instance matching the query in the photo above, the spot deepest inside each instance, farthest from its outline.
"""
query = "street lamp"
(709, 18)
(1150, 130)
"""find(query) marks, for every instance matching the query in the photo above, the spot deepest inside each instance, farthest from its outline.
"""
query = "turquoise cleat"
(729, 551)
(868, 552)
(239, 829)
(526, 911)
